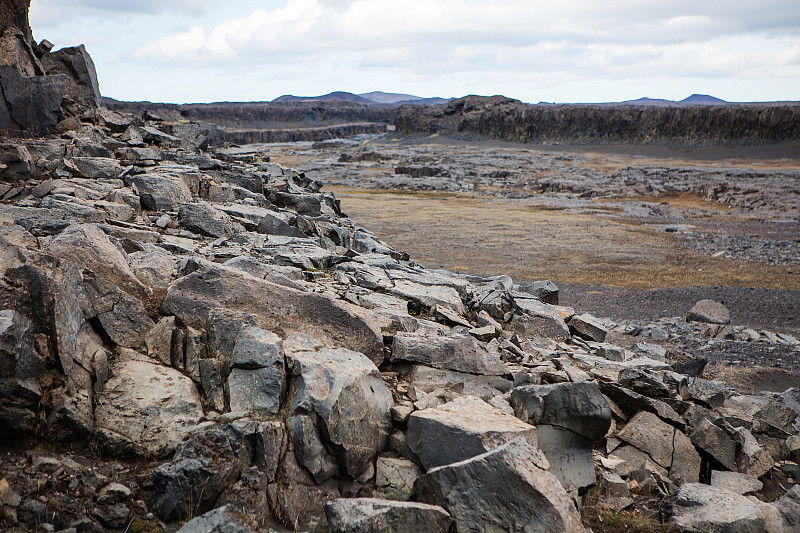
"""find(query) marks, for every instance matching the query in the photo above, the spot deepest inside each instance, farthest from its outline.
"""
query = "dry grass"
(487, 236)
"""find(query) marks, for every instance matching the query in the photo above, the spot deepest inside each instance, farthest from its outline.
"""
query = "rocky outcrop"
(510, 120)
(215, 320)
(38, 88)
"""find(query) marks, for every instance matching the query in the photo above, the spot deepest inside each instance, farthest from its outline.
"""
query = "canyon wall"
(510, 120)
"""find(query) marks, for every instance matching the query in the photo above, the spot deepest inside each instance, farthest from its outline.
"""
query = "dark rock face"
(29, 104)
(503, 118)
(82, 92)
(14, 14)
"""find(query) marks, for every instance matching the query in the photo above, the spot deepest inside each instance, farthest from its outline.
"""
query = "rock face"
(339, 404)
(146, 409)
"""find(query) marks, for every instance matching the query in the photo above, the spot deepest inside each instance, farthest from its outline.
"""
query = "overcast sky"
(554, 51)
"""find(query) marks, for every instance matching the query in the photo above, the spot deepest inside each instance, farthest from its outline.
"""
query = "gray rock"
(371, 515)
(710, 312)
(30, 104)
(192, 299)
(146, 409)
(533, 318)
(587, 327)
(506, 489)
(704, 508)
(205, 220)
(546, 291)
(94, 167)
(220, 520)
(461, 429)
(395, 477)
(273, 225)
(114, 516)
(715, 441)
(569, 418)
(159, 340)
(17, 159)
(578, 407)
(270, 446)
(211, 371)
(87, 246)
(258, 377)
(632, 402)
(735, 482)
(460, 353)
(783, 515)
(160, 192)
(651, 435)
(338, 399)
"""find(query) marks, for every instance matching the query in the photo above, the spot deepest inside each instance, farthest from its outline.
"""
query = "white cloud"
(523, 44)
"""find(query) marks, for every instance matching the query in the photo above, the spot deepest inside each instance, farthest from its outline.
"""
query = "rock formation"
(39, 88)
(216, 318)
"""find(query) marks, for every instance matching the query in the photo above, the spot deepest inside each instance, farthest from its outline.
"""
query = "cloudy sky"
(533, 50)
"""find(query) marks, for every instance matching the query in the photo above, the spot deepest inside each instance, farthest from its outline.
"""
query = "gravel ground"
(771, 309)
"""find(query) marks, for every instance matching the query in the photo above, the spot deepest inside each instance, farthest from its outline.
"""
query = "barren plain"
(634, 233)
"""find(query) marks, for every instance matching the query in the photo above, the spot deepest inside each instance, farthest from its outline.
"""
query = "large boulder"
(533, 318)
(338, 411)
(30, 105)
(461, 429)
(281, 309)
(569, 418)
(146, 409)
(161, 193)
(506, 489)
(710, 312)
(371, 515)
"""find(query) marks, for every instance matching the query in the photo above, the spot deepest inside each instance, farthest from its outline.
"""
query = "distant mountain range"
(695, 99)
(373, 99)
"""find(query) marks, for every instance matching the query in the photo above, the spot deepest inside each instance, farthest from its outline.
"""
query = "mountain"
(702, 99)
(373, 99)
(649, 101)
(336, 95)
(694, 99)
(389, 98)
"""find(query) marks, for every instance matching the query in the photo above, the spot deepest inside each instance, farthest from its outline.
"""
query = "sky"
(554, 51)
